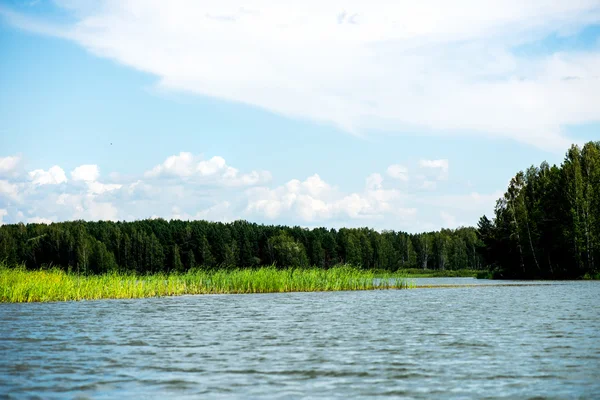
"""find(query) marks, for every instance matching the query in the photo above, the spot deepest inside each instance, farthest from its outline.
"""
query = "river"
(510, 341)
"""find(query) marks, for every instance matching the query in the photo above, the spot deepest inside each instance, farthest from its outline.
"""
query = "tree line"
(157, 245)
(547, 224)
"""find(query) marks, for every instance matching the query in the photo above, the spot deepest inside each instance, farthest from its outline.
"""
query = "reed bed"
(20, 285)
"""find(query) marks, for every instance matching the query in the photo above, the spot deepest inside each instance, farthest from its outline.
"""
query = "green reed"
(21, 285)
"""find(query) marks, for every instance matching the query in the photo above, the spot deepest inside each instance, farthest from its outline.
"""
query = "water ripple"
(517, 341)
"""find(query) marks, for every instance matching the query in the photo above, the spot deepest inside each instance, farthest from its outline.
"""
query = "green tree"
(287, 251)
(176, 264)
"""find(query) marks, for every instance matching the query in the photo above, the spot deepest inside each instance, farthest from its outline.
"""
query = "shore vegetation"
(19, 285)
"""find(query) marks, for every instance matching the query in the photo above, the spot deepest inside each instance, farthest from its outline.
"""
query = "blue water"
(474, 342)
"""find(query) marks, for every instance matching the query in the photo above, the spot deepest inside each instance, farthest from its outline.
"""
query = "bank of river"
(508, 341)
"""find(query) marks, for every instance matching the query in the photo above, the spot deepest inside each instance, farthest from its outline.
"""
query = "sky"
(407, 116)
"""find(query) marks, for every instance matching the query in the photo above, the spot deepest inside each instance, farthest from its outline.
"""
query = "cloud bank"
(431, 67)
(187, 186)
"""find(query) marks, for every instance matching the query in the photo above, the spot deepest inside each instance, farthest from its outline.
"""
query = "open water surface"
(507, 341)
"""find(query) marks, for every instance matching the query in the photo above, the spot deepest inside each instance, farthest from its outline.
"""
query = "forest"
(157, 245)
(547, 225)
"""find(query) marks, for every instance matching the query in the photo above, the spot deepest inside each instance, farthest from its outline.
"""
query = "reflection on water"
(495, 341)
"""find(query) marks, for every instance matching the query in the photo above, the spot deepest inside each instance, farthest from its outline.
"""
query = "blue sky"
(347, 114)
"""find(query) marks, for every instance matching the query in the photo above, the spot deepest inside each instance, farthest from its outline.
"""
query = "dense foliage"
(157, 245)
(547, 224)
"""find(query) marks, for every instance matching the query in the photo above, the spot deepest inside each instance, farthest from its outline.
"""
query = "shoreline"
(435, 273)
(18, 285)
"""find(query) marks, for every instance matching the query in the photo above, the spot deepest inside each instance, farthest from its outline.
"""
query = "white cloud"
(39, 220)
(315, 200)
(54, 176)
(181, 165)
(438, 165)
(86, 173)
(220, 212)
(397, 171)
(212, 166)
(87, 206)
(374, 182)
(215, 170)
(101, 211)
(445, 67)
(442, 164)
(3, 213)
(9, 190)
(313, 185)
(209, 189)
(306, 198)
(9, 164)
(72, 201)
(194, 184)
(449, 220)
(99, 188)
